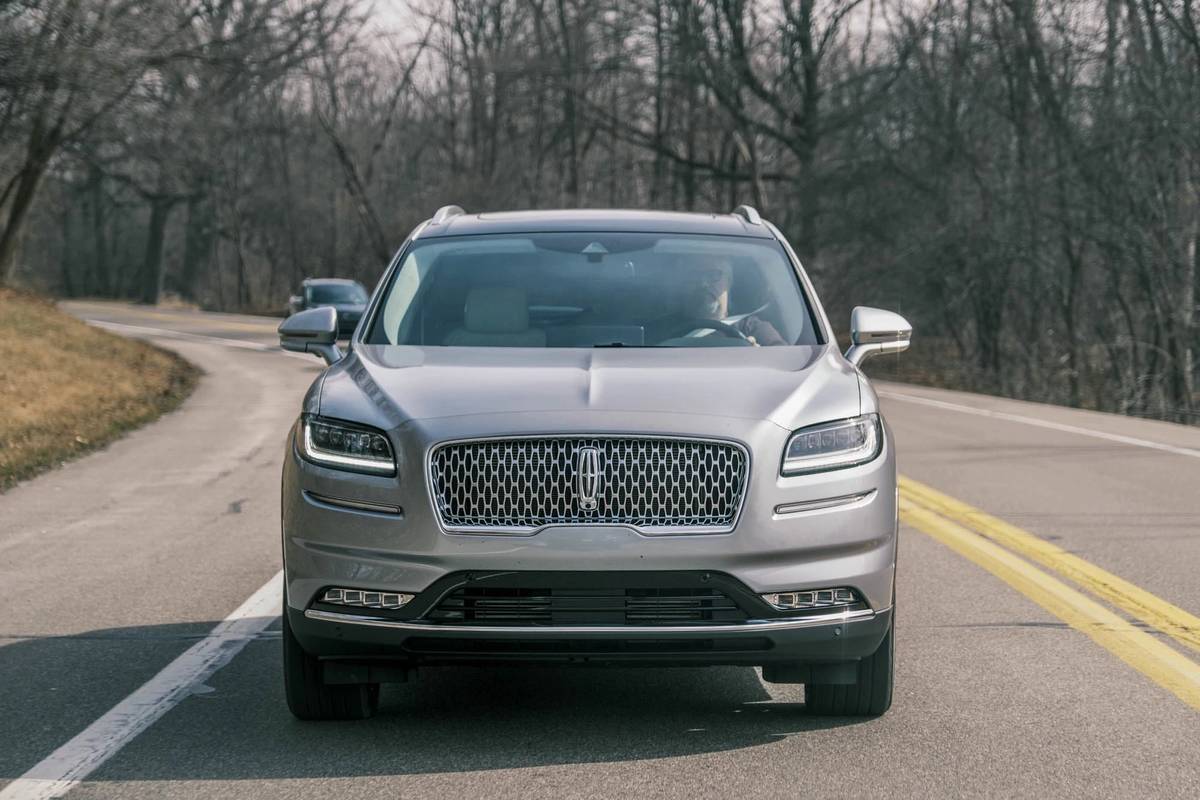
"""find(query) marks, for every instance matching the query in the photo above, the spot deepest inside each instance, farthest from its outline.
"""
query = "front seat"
(496, 316)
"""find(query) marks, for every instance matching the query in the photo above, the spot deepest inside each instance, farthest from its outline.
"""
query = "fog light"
(812, 599)
(360, 598)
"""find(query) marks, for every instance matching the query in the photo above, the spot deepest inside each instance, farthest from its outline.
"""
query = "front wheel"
(309, 697)
(869, 696)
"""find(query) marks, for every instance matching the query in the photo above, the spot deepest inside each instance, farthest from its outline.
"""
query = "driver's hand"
(753, 341)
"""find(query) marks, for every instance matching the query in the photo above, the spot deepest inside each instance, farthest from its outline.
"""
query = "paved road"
(1010, 679)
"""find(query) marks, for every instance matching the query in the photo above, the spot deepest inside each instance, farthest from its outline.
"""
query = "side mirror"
(873, 330)
(313, 331)
(294, 303)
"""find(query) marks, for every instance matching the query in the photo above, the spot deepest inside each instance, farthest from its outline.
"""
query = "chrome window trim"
(549, 631)
(663, 530)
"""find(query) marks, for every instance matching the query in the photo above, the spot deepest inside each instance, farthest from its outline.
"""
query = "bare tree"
(1018, 176)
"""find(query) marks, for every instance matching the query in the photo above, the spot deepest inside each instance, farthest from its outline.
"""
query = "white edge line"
(1041, 423)
(59, 772)
(265, 348)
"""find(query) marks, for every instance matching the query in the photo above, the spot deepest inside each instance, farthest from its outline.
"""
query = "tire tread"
(310, 698)
(869, 696)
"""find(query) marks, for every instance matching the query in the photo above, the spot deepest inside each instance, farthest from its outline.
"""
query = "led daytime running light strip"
(360, 598)
(812, 599)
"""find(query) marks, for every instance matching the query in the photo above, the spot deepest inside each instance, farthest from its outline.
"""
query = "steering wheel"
(688, 324)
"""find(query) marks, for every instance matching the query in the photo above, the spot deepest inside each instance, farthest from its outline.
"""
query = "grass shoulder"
(67, 388)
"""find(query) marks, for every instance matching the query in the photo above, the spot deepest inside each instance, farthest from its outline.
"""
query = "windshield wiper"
(619, 344)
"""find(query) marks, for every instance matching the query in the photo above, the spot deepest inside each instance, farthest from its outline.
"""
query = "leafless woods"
(1020, 178)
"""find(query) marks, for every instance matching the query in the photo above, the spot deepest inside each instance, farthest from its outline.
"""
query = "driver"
(706, 282)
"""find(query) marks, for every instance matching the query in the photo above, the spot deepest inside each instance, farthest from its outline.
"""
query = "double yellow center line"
(1001, 548)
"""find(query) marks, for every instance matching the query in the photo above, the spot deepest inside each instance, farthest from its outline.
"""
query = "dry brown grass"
(67, 388)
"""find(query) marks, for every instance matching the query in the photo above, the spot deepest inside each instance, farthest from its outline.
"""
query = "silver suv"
(590, 437)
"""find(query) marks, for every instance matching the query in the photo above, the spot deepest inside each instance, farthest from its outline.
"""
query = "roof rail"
(748, 213)
(445, 213)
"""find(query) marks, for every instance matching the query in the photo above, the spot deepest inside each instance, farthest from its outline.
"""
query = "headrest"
(497, 309)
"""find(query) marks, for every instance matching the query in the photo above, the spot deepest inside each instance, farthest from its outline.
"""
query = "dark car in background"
(347, 297)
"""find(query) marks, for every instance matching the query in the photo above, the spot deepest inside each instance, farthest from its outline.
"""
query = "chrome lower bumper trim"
(754, 626)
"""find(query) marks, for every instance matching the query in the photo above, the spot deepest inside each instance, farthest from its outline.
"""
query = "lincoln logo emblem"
(587, 477)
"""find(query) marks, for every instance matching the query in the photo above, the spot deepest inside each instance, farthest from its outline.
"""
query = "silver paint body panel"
(838, 546)
(424, 396)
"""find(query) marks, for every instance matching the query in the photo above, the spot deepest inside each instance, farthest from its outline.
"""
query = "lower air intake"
(559, 606)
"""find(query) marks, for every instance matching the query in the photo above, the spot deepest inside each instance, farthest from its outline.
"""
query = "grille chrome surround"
(653, 484)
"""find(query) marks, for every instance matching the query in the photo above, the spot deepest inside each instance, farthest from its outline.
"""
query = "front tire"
(309, 697)
(869, 696)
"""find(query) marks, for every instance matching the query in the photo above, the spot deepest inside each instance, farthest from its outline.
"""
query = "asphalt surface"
(114, 565)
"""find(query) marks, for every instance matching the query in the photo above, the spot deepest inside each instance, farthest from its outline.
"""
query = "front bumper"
(362, 638)
(392, 541)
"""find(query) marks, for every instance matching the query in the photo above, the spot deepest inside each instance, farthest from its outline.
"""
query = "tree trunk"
(810, 135)
(66, 252)
(659, 140)
(150, 282)
(18, 212)
(102, 282)
(570, 113)
(197, 245)
(1193, 345)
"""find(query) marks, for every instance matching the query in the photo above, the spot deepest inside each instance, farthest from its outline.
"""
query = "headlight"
(833, 445)
(344, 446)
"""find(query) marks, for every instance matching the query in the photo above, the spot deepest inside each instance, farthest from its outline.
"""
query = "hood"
(387, 386)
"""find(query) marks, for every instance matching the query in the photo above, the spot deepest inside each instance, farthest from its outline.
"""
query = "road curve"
(116, 566)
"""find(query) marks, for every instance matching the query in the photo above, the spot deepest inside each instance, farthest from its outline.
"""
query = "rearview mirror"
(873, 330)
(314, 331)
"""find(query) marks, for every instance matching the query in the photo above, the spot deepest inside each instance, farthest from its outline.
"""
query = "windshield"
(595, 290)
(337, 293)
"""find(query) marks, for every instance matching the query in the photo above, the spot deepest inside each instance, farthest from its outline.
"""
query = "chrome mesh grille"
(649, 483)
